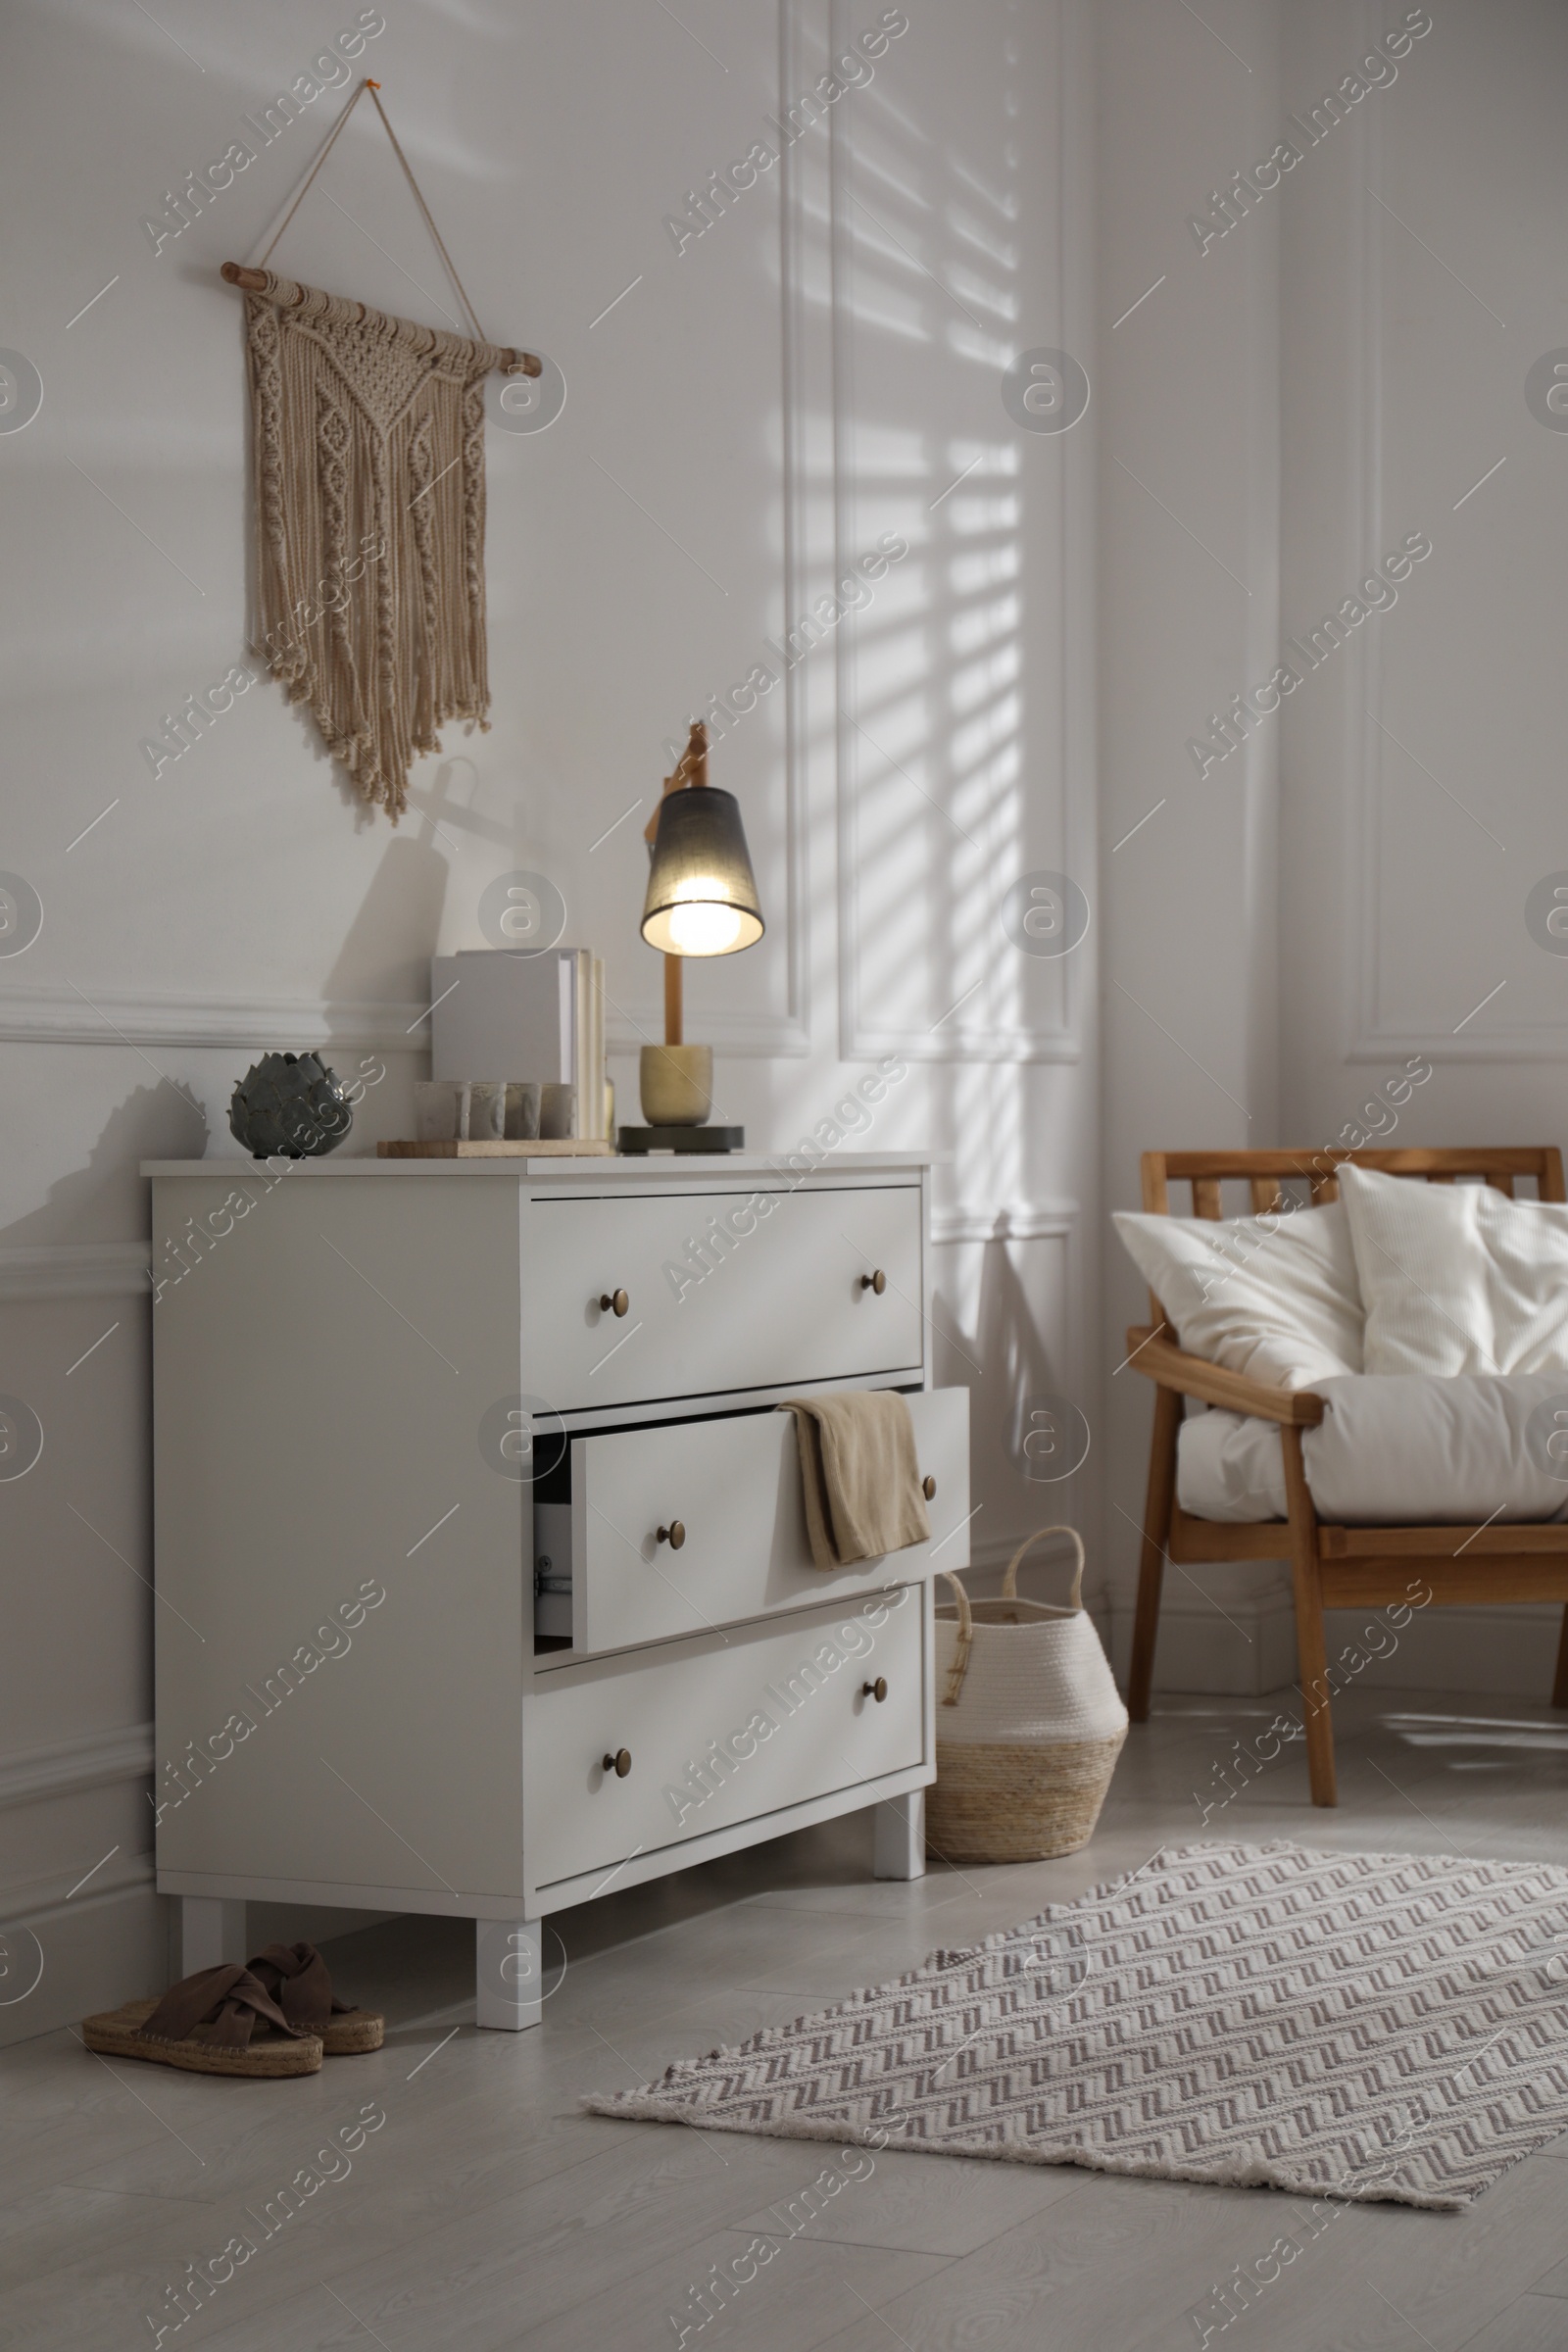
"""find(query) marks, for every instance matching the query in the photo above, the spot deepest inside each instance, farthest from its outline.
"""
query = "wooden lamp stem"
(690, 769)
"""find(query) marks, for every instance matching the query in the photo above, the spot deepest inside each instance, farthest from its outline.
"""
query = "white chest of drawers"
(385, 1392)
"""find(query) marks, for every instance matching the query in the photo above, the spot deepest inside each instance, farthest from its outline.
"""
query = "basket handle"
(1009, 1582)
(965, 1642)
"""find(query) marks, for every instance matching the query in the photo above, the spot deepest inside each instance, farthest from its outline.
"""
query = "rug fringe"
(646, 2107)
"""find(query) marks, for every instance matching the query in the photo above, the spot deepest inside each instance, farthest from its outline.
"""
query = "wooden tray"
(553, 1148)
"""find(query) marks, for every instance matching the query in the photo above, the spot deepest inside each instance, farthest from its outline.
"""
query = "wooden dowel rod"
(255, 281)
(673, 1007)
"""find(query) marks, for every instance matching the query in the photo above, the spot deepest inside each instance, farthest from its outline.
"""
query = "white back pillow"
(1275, 1298)
(1458, 1277)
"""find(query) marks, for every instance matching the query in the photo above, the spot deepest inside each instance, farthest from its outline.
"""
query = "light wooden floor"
(488, 2211)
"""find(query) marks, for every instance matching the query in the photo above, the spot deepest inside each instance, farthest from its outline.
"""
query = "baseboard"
(1251, 1646)
(69, 1943)
(65, 1954)
(1512, 1652)
(989, 1557)
(1238, 1649)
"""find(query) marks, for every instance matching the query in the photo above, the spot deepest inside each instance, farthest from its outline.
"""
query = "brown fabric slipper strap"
(296, 1976)
(220, 2005)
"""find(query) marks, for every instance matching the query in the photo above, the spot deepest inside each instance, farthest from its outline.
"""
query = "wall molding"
(971, 1224)
(1367, 746)
(91, 1760)
(1012, 1221)
(115, 1017)
(77, 1270)
(57, 1016)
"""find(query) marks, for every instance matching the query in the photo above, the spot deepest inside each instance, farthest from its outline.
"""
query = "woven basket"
(1029, 1724)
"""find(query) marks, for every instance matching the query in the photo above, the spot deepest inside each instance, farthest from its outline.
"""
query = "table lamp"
(701, 900)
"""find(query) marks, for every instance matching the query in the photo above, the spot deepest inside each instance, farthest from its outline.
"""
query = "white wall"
(818, 369)
(1423, 794)
(1340, 369)
(1189, 613)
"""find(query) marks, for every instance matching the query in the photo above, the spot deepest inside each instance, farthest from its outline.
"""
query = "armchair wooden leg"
(1559, 1688)
(1152, 1563)
(1311, 1656)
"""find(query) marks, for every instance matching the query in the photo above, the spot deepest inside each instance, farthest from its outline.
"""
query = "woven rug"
(1359, 2026)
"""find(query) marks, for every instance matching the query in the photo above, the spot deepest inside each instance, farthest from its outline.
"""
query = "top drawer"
(718, 1298)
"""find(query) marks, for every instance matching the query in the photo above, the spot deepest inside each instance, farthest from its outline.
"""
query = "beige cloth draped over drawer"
(861, 1476)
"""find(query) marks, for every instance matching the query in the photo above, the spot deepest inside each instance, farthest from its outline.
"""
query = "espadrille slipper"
(296, 1976)
(218, 2021)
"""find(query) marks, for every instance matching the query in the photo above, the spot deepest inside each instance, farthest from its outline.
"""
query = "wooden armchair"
(1331, 1567)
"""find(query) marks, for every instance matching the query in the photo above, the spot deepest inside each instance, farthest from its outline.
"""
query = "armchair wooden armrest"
(1152, 1352)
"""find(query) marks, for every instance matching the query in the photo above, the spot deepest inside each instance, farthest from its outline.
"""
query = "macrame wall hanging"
(369, 476)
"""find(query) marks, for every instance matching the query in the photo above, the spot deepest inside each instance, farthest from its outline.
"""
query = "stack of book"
(498, 1014)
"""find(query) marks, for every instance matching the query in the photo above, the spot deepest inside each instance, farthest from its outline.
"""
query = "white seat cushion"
(1274, 1296)
(1458, 1277)
(1400, 1450)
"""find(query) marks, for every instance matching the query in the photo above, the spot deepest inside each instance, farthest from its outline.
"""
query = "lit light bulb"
(703, 929)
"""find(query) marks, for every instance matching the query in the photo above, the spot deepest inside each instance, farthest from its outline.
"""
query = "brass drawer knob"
(928, 1487)
(877, 1282)
(619, 1763)
(675, 1535)
(613, 1302)
(877, 1689)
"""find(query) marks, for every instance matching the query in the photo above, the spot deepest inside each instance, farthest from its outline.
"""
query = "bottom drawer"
(738, 1729)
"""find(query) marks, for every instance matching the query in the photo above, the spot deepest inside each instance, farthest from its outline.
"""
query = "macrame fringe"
(370, 494)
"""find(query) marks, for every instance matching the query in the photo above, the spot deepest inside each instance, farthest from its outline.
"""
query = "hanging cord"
(374, 89)
(332, 137)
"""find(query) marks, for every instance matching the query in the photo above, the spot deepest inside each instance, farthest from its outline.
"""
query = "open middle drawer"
(694, 1524)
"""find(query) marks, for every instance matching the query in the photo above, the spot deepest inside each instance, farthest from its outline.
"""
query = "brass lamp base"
(676, 1084)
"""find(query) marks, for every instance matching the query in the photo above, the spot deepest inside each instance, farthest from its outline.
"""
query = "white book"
(591, 1047)
(500, 1015)
(582, 981)
(601, 1069)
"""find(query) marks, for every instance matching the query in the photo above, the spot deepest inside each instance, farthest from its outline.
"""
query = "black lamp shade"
(702, 892)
